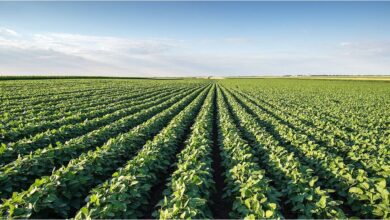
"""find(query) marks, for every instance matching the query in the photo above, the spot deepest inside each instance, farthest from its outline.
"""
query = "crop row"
(194, 149)
(247, 186)
(64, 191)
(127, 194)
(39, 102)
(23, 171)
(78, 116)
(188, 192)
(31, 111)
(369, 157)
(304, 197)
(337, 128)
(366, 196)
(10, 151)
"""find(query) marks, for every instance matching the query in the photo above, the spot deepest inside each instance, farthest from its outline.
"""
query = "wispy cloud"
(75, 54)
(90, 47)
(8, 32)
(377, 49)
(126, 56)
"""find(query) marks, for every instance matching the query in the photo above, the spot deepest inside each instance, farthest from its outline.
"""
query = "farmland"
(194, 148)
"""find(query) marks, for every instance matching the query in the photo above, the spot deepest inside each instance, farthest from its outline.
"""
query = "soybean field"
(194, 148)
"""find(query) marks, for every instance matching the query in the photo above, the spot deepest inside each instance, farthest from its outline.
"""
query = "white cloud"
(376, 49)
(75, 54)
(8, 32)
(91, 47)
(88, 53)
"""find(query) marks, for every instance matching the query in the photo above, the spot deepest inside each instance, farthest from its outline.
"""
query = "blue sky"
(194, 38)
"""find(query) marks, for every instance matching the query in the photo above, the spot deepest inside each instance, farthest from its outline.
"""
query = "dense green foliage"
(143, 148)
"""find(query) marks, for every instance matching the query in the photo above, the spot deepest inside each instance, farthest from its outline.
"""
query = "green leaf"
(313, 181)
(322, 202)
(84, 210)
(269, 213)
(382, 183)
(356, 190)
(250, 217)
